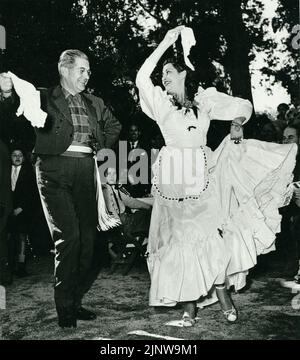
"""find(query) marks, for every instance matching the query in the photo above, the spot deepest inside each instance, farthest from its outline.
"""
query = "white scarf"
(30, 102)
(187, 40)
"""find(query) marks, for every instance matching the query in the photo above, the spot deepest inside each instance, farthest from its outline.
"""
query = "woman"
(118, 201)
(206, 229)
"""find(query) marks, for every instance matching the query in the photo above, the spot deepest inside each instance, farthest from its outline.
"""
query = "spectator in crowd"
(134, 137)
(137, 183)
(119, 203)
(23, 186)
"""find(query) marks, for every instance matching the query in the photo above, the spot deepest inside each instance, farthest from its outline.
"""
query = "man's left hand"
(17, 211)
(6, 84)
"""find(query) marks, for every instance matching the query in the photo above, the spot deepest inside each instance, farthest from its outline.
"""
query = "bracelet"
(3, 98)
(236, 124)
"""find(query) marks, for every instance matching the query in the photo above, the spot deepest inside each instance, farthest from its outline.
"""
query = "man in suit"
(23, 186)
(65, 168)
(134, 137)
(138, 152)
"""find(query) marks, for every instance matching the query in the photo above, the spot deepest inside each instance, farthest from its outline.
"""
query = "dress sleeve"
(154, 102)
(220, 106)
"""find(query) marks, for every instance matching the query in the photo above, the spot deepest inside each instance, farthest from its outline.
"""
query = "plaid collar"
(67, 94)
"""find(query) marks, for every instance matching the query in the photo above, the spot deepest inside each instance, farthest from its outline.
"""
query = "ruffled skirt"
(217, 234)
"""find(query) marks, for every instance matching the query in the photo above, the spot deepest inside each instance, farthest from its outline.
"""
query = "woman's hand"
(17, 211)
(172, 35)
(169, 39)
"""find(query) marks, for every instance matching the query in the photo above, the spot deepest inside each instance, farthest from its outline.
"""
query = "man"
(134, 137)
(23, 186)
(138, 151)
(290, 135)
(65, 172)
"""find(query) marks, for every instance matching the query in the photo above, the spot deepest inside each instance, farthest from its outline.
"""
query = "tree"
(224, 37)
(119, 34)
(286, 72)
(37, 32)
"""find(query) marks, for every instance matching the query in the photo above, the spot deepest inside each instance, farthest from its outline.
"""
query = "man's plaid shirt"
(82, 132)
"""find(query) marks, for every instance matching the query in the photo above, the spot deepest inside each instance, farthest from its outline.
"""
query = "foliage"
(287, 72)
(37, 32)
(118, 35)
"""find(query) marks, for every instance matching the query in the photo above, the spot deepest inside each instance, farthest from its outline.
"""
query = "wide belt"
(79, 148)
(78, 151)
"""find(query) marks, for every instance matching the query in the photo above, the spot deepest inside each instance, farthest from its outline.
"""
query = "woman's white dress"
(213, 212)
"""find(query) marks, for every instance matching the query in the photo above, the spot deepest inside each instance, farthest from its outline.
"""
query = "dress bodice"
(181, 169)
(182, 129)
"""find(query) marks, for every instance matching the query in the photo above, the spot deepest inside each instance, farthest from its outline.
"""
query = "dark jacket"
(25, 196)
(57, 134)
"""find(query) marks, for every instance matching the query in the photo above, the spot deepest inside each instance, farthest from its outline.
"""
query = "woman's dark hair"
(190, 82)
(191, 85)
(177, 65)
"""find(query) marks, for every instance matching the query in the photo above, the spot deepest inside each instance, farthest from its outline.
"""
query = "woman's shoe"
(187, 321)
(231, 315)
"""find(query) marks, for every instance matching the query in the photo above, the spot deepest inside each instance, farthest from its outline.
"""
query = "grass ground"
(121, 304)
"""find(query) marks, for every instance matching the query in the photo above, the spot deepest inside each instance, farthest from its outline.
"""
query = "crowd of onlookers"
(27, 229)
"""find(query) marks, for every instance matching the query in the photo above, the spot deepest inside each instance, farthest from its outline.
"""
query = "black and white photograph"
(149, 173)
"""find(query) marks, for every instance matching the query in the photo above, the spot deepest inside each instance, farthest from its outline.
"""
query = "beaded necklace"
(187, 105)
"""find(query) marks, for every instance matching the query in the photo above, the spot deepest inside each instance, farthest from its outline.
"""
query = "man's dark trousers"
(68, 194)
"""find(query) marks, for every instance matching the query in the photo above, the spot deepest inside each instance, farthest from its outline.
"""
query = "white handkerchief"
(187, 40)
(30, 102)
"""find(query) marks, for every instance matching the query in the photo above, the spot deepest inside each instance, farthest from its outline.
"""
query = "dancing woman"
(209, 224)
